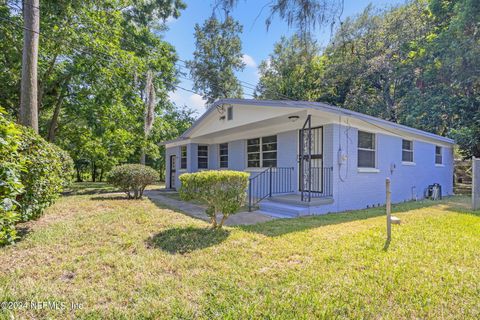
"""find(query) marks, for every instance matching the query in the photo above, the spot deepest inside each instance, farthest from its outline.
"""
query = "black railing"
(268, 182)
(321, 185)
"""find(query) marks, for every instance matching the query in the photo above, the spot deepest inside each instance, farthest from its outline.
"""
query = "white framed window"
(183, 157)
(438, 155)
(223, 155)
(202, 157)
(230, 113)
(366, 150)
(407, 150)
(262, 152)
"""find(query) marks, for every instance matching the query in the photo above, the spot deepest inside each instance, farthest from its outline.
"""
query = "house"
(312, 158)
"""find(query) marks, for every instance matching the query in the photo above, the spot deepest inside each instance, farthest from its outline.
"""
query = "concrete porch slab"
(295, 199)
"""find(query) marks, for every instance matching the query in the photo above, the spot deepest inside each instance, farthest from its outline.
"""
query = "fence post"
(475, 183)
(389, 210)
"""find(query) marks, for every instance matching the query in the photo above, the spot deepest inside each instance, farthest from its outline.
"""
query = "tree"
(218, 54)
(305, 15)
(28, 97)
(92, 73)
(293, 71)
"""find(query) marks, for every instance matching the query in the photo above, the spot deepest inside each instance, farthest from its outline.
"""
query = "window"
(262, 152)
(366, 150)
(223, 155)
(438, 155)
(183, 157)
(202, 157)
(229, 113)
(407, 151)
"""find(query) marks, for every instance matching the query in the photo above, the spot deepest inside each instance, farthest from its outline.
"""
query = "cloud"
(249, 61)
(192, 101)
(197, 101)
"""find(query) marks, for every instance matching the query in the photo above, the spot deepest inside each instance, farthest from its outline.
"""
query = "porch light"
(293, 118)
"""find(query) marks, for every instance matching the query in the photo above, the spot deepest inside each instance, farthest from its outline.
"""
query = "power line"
(249, 86)
(246, 85)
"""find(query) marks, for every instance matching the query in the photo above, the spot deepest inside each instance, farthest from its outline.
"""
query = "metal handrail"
(274, 180)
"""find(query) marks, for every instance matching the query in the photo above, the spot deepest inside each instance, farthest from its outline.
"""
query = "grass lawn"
(132, 259)
(87, 187)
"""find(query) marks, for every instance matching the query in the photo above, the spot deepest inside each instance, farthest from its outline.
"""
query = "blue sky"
(257, 42)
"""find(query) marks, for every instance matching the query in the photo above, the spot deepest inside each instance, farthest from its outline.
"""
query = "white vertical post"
(475, 183)
(389, 209)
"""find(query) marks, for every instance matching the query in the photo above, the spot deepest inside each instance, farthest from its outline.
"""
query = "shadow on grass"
(121, 196)
(280, 227)
(185, 240)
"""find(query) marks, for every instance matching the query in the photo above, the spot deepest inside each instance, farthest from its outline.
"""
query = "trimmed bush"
(223, 191)
(48, 169)
(132, 179)
(10, 185)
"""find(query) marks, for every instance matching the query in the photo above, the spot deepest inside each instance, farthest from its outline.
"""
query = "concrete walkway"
(198, 211)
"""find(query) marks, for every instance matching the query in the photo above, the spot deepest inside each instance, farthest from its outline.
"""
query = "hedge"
(223, 191)
(132, 179)
(33, 172)
(10, 185)
(48, 170)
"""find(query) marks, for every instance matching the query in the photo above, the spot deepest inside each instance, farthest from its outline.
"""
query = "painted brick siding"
(361, 189)
(351, 189)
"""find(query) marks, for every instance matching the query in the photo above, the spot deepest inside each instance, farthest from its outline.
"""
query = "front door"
(311, 160)
(173, 171)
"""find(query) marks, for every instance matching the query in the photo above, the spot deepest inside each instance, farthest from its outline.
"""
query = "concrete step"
(275, 215)
(295, 200)
(275, 208)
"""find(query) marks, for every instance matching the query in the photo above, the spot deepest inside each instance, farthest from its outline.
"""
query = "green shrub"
(132, 179)
(48, 169)
(223, 191)
(10, 185)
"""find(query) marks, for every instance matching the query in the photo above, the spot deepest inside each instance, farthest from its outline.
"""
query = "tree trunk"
(52, 129)
(28, 94)
(79, 176)
(142, 156)
(101, 174)
(224, 217)
(94, 172)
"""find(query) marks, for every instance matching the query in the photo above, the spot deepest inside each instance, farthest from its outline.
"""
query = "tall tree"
(304, 15)
(293, 71)
(28, 95)
(217, 56)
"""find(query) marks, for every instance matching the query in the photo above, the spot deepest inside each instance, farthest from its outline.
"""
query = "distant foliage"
(133, 178)
(217, 56)
(10, 185)
(414, 64)
(223, 191)
(48, 169)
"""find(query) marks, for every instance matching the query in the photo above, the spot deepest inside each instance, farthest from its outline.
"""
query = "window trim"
(182, 157)
(220, 155)
(406, 162)
(439, 154)
(203, 157)
(261, 152)
(365, 149)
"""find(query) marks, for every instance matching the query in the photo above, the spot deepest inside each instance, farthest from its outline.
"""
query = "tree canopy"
(93, 64)
(217, 55)
(416, 64)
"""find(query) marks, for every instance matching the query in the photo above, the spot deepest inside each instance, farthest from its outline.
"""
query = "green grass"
(132, 259)
(79, 188)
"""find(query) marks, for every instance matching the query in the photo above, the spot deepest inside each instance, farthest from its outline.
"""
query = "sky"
(257, 41)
